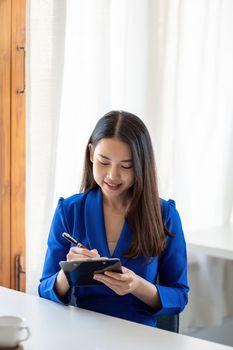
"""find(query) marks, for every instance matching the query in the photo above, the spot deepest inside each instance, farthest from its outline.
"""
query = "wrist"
(61, 285)
(147, 292)
(139, 285)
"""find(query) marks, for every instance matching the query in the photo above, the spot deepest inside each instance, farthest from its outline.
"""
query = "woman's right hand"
(76, 253)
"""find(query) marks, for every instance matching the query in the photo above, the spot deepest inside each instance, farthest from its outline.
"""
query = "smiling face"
(112, 168)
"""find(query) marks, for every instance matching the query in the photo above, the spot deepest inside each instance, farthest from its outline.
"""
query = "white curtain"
(169, 62)
(45, 58)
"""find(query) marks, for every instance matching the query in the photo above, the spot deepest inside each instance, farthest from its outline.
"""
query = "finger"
(125, 270)
(110, 282)
(71, 256)
(75, 256)
(95, 251)
(105, 280)
(83, 251)
(118, 289)
(118, 276)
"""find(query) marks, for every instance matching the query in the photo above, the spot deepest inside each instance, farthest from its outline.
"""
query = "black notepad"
(80, 272)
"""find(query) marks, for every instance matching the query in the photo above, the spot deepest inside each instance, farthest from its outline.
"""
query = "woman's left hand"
(120, 283)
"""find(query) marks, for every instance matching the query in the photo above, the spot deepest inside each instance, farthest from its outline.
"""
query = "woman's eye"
(126, 167)
(104, 163)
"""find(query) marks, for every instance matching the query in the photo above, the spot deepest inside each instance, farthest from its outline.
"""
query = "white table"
(217, 242)
(58, 327)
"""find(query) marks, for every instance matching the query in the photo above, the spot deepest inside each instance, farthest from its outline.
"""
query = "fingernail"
(96, 277)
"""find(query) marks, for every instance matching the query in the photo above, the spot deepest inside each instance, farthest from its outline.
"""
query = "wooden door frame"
(5, 139)
(13, 163)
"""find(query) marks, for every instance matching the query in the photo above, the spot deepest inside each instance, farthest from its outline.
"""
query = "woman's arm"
(129, 282)
(148, 293)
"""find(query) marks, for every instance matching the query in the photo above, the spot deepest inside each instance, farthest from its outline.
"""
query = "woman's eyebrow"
(122, 161)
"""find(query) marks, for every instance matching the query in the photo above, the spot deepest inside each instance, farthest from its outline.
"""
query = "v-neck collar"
(95, 228)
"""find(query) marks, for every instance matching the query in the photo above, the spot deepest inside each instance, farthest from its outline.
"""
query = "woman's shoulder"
(71, 200)
(167, 204)
(168, 208)
(76, 200)
(171, 216)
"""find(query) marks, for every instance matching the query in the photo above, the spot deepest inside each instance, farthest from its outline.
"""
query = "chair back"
(168, 323)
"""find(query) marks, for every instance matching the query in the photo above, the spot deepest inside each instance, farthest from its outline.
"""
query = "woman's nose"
(113, 173)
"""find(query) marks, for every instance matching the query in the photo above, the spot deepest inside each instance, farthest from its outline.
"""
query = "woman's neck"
(117, 205)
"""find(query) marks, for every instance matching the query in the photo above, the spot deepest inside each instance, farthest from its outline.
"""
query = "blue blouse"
(81, 215)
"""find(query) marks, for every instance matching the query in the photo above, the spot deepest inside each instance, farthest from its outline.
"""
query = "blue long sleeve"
(57, 248)
(172, 266)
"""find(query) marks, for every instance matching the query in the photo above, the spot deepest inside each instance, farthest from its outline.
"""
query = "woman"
(118, 213)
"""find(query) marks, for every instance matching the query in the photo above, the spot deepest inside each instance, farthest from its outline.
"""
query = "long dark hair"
(144, 214)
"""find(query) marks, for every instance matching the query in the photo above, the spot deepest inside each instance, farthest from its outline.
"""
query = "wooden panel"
(18, 139)
(5, 82)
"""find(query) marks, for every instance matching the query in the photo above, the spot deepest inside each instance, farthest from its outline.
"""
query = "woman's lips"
(113, 187)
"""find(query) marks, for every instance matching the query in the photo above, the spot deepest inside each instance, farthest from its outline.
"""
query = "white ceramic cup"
(12, 331)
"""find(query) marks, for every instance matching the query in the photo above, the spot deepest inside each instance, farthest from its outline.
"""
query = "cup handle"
(27, 331)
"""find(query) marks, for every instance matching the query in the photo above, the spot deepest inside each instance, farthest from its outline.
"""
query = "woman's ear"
(91, 151)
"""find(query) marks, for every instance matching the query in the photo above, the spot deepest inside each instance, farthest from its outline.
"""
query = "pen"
(73, 240)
